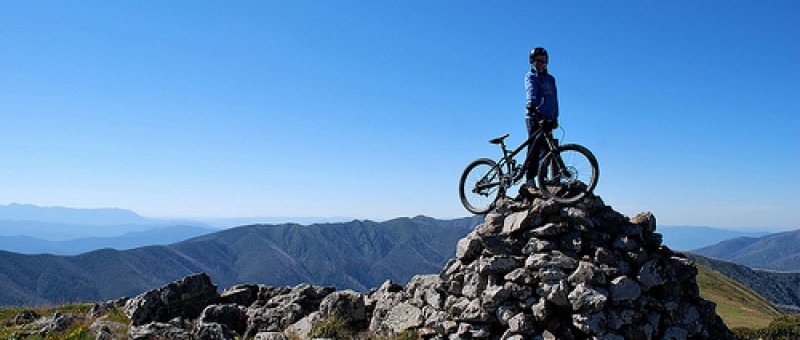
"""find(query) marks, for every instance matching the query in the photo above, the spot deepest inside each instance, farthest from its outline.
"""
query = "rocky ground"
(532, 270)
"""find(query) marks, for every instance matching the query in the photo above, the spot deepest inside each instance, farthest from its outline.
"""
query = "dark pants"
(536, 150)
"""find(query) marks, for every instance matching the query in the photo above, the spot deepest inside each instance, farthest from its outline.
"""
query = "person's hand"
(532, 109)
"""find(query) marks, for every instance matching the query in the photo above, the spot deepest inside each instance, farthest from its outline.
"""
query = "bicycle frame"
(505, 162)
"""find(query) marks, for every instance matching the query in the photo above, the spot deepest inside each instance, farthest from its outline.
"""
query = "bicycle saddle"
(498, 140)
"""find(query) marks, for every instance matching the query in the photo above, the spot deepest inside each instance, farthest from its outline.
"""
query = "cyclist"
(540, 88)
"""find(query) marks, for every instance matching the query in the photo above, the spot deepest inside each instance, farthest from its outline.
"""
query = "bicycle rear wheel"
(480, 186)
(568, 173)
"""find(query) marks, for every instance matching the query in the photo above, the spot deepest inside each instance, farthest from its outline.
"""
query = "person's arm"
(555, 97)
(530, 92)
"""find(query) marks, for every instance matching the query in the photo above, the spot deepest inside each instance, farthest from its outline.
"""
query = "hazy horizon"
(234, 221)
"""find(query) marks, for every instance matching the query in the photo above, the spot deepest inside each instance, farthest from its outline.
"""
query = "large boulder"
(185, 298)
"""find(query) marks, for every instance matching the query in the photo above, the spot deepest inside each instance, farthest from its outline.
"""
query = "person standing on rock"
(542, 112)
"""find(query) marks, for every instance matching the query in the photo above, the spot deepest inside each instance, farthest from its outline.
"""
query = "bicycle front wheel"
(568, 173)
(480, 186)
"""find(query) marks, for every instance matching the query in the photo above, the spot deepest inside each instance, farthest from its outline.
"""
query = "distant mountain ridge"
(781, 289)
(157, 236)
(64, 215)
(62, 230)
(357, 255)
(684, 237)
(779, 251)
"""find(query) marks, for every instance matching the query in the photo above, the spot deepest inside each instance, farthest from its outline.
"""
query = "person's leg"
(534, 153)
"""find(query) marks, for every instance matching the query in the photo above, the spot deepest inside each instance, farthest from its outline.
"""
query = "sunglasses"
(540, 61)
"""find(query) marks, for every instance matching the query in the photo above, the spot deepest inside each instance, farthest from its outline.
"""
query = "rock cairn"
(532, 270)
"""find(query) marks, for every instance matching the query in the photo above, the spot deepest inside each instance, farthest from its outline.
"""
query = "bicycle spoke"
(569, 173)
(480, 186)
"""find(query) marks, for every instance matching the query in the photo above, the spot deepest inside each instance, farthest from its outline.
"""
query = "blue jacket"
(541, 92)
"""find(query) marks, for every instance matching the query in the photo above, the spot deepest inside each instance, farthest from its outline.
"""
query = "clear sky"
(371, 109)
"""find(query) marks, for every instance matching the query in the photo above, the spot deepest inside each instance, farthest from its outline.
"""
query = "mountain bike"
(566, 174)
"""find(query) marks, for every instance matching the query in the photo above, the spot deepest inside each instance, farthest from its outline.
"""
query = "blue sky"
(371, 109)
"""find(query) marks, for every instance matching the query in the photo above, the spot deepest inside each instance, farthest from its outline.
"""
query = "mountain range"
(781, 289)
(64, 224)
(777, 252)
(157, 236)
(31, 229)
(685, 238)
(355, 255)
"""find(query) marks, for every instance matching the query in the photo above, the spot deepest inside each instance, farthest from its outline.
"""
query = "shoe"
(530, 191)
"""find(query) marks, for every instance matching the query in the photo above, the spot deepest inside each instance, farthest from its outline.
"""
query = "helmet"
(539, 51)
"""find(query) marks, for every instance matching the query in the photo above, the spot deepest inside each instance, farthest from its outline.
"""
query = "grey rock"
(577, 215)
(610, 336)
(548, 274)
(505, 312)
(590, 323)
(302, 327)
(492, 225)
(514, 222)
(213, 331)
(651, 275)
(646, 220)
(232, 316)
(474, 284)
(549, 230)
(184, 298)
(468, 248)
(536, 245)
(285, 309)
(107, 330)
(555, 292)
(675, 333)
(625, 243)
(497, 264)
(545, 207)
(158, 330)
(519, 291)
(623, 288)
(541, 310)
(554, 259)
(571, 242)
(589, 273)
(346, 305)
(519, 276)
(522, 323)
(587, 298)
(401, 317)
(58, 322)
(493, 296)
(24, 317)
(244, 294)
(270, 336)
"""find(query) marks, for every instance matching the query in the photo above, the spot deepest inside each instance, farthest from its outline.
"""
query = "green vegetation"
(28, 328)
(782, 328)
(333, 328)
(737, 305)
(781, 289)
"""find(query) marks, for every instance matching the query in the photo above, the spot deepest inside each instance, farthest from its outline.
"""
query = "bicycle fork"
(558, 169)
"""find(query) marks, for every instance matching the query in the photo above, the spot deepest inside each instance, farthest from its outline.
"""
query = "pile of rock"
(532, 270)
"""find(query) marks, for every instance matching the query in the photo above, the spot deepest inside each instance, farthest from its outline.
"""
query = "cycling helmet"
(539, 51)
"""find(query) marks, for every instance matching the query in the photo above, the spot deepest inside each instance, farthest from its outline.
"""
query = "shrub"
(784, 327)
(332, 327)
